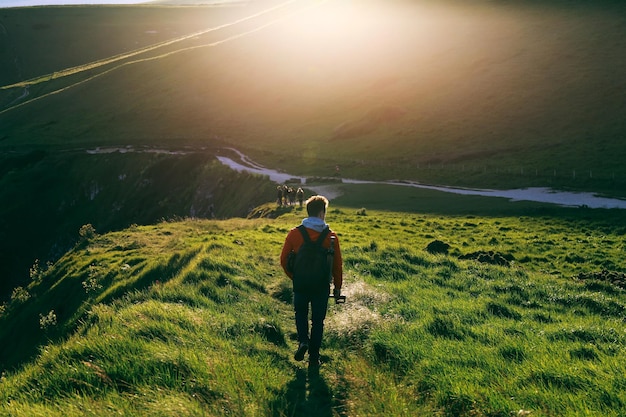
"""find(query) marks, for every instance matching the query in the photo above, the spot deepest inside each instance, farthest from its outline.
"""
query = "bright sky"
(28, 3)
(25, 3)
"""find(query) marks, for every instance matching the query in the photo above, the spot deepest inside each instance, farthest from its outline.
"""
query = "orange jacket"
(294, 240)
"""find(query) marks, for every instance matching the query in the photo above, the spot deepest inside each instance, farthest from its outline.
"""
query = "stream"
(537, 194)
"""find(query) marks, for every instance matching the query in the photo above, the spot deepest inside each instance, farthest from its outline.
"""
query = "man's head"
(316, 206)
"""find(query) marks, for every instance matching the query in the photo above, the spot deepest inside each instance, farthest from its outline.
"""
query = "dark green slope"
(48, 196)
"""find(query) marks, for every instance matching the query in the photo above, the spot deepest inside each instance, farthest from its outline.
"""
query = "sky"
(28, 3)
(25, 3)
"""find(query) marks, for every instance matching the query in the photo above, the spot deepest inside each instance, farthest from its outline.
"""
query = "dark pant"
(319, 305)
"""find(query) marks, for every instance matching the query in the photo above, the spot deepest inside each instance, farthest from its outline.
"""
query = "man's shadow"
(306, 395)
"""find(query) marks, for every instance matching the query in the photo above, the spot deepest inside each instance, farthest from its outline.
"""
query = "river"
(537, 194)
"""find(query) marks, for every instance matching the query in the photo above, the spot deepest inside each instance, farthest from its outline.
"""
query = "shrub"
(35, 271)
(86, 231)
(47, 321)
(19, 295)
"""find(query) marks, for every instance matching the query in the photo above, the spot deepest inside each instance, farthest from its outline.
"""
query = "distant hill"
(476, 94)
(502, 95)
(145, 281)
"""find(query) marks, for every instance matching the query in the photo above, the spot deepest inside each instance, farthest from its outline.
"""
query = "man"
(300, 196)
(314, 226)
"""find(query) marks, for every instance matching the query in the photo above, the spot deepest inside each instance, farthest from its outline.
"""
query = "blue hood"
(314, 223)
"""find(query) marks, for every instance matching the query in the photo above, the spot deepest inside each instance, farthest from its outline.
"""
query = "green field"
(193, 318)
(505, 94)
(145, 281)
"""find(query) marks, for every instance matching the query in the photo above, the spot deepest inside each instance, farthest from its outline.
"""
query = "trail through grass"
(195, 318)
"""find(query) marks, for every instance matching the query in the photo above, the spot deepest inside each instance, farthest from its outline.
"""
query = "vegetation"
(145, 281)
(472, 106)
(48, 196)
(193, 317)
(440, 92)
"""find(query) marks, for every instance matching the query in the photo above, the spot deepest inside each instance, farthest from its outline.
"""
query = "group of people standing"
(287, 196)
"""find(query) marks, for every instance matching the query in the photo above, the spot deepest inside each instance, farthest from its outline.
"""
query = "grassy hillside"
(503, 94)
(47, 196)
(506, 94)
(193, 318)
(117, 298)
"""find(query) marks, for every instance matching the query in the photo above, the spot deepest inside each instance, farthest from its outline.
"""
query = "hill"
(193, 317)
(499, 95)
(48, 195)
(120, 295)
(505, 94)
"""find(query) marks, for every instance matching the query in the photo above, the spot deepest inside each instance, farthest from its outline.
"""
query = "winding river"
(537, 194)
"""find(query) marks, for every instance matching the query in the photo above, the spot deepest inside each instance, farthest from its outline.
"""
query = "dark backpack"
(311, 270)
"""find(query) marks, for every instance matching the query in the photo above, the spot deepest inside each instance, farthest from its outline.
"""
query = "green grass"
(49, 195)
(495, 95)
(523, 314)
(438, 92)
(194, 318)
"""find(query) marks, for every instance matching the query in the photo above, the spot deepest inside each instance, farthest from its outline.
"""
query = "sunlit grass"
(523, 315)
(200, 323)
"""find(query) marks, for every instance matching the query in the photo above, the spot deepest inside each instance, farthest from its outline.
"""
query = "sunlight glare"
(341, 46)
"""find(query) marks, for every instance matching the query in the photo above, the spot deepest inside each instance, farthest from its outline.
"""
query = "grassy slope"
(507, 94)
(48, 196)
(193, 318)
(497, 95)
(157, 320)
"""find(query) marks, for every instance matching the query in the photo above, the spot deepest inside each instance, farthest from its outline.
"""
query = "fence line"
(547, 173)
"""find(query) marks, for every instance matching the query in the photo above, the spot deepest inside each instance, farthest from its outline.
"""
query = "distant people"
(313, 292)
(279, 195)
(300, 196)
(291, 196)
(285, 196)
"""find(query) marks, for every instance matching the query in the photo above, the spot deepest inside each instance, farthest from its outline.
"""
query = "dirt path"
(121, 57)
(109, 64)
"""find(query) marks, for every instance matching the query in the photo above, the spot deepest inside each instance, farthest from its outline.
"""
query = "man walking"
(315, 291)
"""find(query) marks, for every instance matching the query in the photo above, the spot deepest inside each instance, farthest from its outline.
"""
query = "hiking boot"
(314, 363)
(302, 348)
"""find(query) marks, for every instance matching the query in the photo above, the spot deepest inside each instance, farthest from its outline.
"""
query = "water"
(543, 195)
(537, 194)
